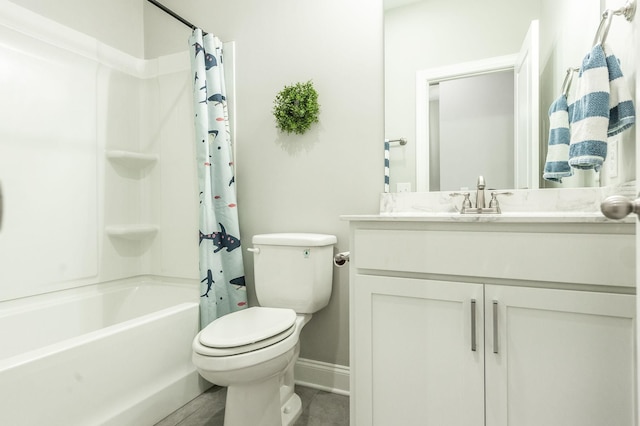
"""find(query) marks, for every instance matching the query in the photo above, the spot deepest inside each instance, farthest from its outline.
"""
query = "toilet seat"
(245, 331)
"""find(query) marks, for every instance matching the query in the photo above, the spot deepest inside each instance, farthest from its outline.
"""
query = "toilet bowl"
(259, 375)
(253, 351)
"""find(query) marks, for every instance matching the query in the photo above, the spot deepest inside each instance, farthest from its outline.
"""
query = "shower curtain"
(221, 269)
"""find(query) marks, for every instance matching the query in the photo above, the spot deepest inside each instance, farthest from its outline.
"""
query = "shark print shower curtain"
(221, 268)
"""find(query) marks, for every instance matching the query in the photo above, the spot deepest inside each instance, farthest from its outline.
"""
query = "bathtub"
(108, 354)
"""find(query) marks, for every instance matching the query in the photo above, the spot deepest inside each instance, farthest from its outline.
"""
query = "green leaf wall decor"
(296, 108)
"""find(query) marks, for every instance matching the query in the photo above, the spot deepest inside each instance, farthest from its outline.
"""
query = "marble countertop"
(515, 217)
(571, 205)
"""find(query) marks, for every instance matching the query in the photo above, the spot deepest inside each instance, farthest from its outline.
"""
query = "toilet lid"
(247, 327)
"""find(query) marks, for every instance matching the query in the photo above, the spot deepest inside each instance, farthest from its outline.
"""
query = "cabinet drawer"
(581, 258)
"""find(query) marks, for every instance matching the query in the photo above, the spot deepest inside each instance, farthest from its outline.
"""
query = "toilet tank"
(293, 270)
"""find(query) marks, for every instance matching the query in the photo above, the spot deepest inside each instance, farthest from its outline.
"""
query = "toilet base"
(259, 404)
(291, 410)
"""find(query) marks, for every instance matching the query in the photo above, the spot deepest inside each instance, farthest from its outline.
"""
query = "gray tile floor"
(318, 409)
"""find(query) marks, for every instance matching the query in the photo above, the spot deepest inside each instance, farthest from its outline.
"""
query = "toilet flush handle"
(255, 250)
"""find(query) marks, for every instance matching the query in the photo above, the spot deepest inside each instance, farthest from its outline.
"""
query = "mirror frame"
(427, 77)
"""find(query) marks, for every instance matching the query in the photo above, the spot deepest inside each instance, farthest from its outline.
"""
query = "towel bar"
(401, 141)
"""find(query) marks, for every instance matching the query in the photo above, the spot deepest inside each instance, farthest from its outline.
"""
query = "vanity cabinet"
(414, 359)
(559, 357)
(446, 331)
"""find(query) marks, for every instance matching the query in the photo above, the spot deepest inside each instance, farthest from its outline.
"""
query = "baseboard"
(322, 375)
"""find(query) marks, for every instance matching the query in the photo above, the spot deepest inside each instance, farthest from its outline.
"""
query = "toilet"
(253, 351)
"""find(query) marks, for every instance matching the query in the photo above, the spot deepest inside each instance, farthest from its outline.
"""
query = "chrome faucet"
(480, 204)
(481, 207)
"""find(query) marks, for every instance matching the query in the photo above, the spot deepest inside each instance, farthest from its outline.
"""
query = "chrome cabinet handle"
(495, 326)
(473, 325)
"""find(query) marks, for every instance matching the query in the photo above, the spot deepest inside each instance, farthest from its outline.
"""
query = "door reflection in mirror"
(471, 131)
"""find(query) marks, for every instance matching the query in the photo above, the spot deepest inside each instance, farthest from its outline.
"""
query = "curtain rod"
(174, 15)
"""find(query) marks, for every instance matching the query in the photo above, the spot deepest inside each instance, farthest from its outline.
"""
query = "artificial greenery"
(296, 108)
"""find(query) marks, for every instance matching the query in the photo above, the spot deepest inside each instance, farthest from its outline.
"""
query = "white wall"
(299, 183)
(117, 23)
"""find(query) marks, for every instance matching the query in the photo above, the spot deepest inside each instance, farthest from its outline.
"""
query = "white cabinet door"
(564, 358)
(413, 352)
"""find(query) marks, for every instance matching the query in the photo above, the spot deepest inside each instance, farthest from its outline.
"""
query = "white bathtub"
(115, 354)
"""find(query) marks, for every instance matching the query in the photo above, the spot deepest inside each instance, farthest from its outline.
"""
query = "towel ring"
(603, 28)
(568, 79)
(628, 11)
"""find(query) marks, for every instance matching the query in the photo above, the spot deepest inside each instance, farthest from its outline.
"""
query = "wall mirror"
(466, 122)
(424, 39)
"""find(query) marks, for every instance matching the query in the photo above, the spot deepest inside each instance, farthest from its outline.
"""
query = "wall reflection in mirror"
(426, 35)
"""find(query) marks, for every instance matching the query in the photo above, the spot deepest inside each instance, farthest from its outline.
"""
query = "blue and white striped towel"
(603, 108)
(557, 163)
(386, 165)
(589, 114)
(622, 113)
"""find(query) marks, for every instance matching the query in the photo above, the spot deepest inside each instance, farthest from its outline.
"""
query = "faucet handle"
(466, 203)
(494, 199)
(496, 192)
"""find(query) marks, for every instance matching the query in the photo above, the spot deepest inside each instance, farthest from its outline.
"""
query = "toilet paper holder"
(341, 258)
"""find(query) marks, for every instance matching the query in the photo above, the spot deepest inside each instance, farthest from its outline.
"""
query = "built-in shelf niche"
(132, 232)
(132, 160)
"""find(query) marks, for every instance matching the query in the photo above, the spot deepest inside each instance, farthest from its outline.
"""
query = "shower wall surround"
(48, 160)
(70, 101)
